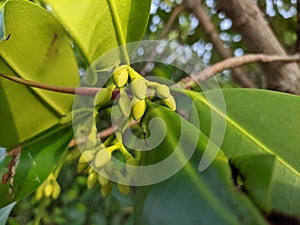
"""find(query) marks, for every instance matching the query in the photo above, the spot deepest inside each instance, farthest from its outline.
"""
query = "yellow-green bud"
(86, 156)
(170, 102)
(139, 88)
(124, 103)
(120, 76)
(56, 190)
(92, 140)
(102, 158)
(39, 192)
(163, 91)
(102, 97)
(81, 167)
(124, 189)
(106, 189)
(102, 180)
(138, 109)
(91, 180)
(48, 190)
(132, 161)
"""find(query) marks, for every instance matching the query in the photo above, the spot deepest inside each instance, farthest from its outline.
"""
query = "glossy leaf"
(37, 161)
(190, 196)
(269, 183)
(256, 143)
(93, 26)
(262, 138)
(34, 46)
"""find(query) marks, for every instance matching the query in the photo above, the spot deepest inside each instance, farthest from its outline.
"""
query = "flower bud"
(106, 189)
(170, 102)
(56, 190)
(81, 167)
(139, 88)
(102, 97)
(102, 180)
(86, 156)
(124, 103)
(91, 180)
(120, 76)
(163, 91)
(48, 190)
(138, 109)
(124, 189)
(39, 192)
(102, 158)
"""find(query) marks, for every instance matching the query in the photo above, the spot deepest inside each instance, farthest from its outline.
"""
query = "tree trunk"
(258, 37)
(198, 9)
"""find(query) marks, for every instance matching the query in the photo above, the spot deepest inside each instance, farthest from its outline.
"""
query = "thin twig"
(187, 82)
(67, 90)
(230, 63)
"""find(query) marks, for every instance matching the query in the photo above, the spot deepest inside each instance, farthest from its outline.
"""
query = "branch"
(187, 82)
(259, 38)
(67, 90)
(239, 76)
(230, 63)
(192, 81)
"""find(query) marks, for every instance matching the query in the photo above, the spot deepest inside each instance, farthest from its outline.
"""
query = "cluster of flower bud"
(50, 188)
(97, 161)
(132, 102)
(136, 105)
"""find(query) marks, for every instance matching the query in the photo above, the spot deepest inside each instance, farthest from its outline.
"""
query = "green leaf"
(262, 138)
(266, 180)
(34, 46)
(37, 161)
(4, 213)
(94, 23)
(190, 196)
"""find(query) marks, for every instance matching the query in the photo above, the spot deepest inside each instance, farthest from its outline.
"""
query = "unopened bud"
(170, 102)
(102, 158)
(120, 76)
(139, 88)
(163, 91)
(138, 109)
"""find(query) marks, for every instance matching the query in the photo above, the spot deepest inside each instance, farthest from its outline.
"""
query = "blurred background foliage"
(77, 205)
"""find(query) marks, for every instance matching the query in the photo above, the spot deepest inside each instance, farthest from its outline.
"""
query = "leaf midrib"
(247, 134)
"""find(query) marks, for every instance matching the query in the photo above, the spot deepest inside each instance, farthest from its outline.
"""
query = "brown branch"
(187, 82)
(259, 38)
(233, 62)
(67, 90)
(239, 76)
(209, 72)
